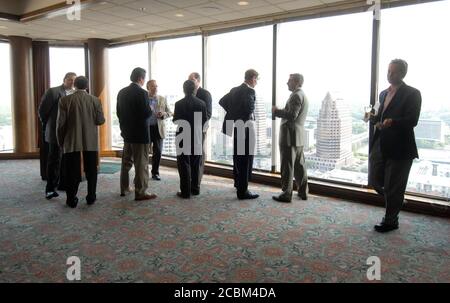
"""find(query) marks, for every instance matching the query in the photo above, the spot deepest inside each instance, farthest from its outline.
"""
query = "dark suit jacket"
(398, 141)
(133, 111)
(239, 104)
(204, 95)
(184, 110)
(48, 112)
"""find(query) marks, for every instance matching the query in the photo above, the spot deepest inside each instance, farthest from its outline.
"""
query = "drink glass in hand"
(368, 112)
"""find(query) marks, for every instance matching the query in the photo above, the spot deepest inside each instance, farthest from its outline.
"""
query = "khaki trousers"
(293, 164)
(138, 155)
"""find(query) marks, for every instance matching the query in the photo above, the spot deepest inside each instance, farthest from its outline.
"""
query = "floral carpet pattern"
(210, 238)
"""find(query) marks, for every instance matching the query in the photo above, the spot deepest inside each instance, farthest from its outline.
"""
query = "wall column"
(23, 109)
(98, 73)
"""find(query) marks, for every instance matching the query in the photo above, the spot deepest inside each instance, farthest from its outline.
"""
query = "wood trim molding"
(10, 17)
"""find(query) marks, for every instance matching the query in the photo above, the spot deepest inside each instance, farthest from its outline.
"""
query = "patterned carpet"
(210, 238)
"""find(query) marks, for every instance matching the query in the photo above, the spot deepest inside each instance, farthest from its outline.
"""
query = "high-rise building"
(333, 137)
(260, 126)
(432, 130)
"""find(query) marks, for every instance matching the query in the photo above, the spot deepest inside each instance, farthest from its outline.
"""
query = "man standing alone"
(393, 146)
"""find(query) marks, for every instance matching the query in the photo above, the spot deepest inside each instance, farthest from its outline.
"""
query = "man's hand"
(274, 108)
(387, 123)
(160, 115)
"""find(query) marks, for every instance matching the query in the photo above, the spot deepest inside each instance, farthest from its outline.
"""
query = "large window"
(64, 60)
(229, 56)
(172, 62)
(6, 133)
(333, 54)
(419, 34)
(122, 60)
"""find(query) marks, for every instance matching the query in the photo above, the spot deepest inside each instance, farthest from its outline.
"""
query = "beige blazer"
(293, 116)
(163, 107)
(79, 115)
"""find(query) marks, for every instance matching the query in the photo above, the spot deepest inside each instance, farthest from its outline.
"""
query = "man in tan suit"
(160, 111)
(79, 116)
(292, 140)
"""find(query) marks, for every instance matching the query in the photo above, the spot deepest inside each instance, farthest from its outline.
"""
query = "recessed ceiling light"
(130, 24)
(242, 3)
(142, 8)
(179, 15)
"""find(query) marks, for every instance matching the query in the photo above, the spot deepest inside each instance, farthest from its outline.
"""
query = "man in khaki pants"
(133, 111)
(293, 118)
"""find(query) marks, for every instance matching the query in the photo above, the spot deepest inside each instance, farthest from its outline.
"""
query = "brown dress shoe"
(145, 197)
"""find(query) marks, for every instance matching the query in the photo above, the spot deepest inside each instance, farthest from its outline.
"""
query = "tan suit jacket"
(293, 116)
(162, 106)
(79, 116)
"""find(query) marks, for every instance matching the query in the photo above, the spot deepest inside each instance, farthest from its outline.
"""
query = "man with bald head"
(48, 111)
(160, 112)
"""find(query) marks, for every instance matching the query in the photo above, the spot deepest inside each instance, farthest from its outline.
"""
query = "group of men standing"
(70, 119)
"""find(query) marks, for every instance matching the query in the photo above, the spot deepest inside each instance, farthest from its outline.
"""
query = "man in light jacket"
(291, 142)
(79, 116)
(160, 111)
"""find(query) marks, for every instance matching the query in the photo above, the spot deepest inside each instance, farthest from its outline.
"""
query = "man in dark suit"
(48, 112)
(393, 146)
(190, 116)
(205, 96)
(240, 105)
(133, 111)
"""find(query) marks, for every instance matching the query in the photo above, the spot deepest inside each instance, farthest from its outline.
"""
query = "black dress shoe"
(91, 199)
(179, 194)
(281, 198)
(303, 196)
(72, 203)
(156, 177)
(383, 227)
(195, 192)
(247, 195)
(51, 194)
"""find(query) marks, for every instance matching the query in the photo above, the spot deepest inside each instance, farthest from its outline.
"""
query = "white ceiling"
(111, 19)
